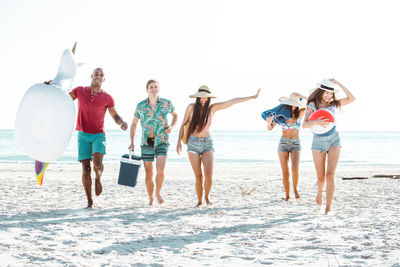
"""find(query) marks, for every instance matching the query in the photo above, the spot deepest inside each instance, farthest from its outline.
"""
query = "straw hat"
(203, 92)
(327, 85)
(292, 100)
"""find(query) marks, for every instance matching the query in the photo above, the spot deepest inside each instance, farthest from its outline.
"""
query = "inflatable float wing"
(45, 117)
(46, 114)
(40, 167)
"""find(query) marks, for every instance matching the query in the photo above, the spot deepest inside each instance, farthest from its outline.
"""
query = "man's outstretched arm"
(118, 120)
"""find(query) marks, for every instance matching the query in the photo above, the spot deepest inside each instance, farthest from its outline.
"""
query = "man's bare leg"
(160, 176)
(87, 181)
(98, 168)
(148, 167)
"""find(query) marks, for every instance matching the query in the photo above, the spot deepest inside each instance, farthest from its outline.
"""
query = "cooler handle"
(130, 160)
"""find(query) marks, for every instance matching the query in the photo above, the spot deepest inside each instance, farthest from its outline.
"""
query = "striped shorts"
(149, 152)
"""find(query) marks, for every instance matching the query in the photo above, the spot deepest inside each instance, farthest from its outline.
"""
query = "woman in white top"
(326, 146)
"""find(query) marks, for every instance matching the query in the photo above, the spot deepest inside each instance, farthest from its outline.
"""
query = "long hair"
(294, 113)
(316, 97)
(200, 116)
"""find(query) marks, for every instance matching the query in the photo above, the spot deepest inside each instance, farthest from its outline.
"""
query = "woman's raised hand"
(258, 92)
(332, 80)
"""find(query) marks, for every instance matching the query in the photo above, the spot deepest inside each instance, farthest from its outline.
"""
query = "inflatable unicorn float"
(46, 115)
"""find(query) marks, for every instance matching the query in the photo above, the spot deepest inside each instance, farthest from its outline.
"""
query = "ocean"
(236, 147)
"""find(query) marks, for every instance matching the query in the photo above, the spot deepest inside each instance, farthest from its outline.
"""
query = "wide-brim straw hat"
(293, 100)
(203, 91)
(327, 85)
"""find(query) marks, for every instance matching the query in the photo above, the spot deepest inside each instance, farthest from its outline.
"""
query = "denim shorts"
(199, 145)
(324, 143)
(289, 145)
(149, 152)
(89, 144)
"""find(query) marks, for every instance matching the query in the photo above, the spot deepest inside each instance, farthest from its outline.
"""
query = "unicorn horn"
(74, 48)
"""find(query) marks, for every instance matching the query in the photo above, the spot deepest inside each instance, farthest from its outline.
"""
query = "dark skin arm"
(72, 95)
(118, 120)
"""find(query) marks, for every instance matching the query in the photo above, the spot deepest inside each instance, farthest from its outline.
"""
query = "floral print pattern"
(154, 119)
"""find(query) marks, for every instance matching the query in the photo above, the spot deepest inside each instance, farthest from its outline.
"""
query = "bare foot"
(90, 204)
(209, 203)
(98, 188)
(296, 195)
(327, 210)
(285, 198)
(318, 199)
(151, 201)
(199, 204)
(160, 199)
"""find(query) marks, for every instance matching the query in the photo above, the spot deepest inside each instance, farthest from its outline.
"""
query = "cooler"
(129, 169)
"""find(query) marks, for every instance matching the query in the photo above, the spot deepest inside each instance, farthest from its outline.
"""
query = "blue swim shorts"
(289, 145)
(149, 152)
(199, 145)
(324, 143)
(89, 144)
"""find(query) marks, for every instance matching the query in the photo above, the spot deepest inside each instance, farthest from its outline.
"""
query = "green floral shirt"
(154, 119)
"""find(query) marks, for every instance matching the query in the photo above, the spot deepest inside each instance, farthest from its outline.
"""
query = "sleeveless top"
(332, 110)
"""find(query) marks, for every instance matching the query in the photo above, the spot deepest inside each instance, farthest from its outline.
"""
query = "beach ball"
(323, 115)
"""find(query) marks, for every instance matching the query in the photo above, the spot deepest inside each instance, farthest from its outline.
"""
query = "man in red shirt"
(92, 105)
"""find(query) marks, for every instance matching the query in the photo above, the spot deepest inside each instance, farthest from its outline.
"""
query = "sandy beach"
(49, 225)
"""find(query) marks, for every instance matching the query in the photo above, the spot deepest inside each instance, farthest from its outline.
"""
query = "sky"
(234, 47)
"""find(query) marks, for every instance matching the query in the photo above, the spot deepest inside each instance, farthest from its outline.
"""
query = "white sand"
(48, 225)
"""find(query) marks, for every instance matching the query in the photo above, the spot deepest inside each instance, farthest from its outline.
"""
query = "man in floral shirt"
(152, 113)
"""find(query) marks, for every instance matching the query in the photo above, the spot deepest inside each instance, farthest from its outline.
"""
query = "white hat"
(293, 100)
(203, 92)
(327, 85)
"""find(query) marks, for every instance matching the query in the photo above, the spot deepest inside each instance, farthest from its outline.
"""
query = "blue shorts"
(289, 145)
(89, 144)
(199, 145)
(324, 143)
(149, 152)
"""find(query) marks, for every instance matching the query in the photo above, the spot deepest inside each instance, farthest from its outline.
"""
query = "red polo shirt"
(92, 109)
